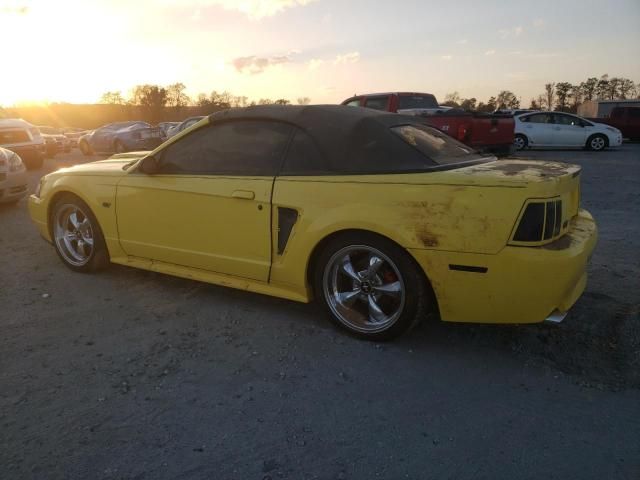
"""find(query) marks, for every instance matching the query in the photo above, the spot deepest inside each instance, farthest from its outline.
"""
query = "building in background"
(602, 108)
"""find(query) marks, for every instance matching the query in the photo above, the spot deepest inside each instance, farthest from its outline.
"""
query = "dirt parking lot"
(131, 374)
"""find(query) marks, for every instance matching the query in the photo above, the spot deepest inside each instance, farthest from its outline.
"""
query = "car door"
(100, 140)
(209, 205)
(569, 131)
(538, 128)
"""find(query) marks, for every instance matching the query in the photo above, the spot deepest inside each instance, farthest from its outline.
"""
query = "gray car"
(121, 137)
(13, 177)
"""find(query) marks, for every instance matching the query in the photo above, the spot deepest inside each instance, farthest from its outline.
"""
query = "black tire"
(85, 148)
(34, 163)
(418, 295)
(520, 142)
(597, 142)
(118, 147)
(98, 259)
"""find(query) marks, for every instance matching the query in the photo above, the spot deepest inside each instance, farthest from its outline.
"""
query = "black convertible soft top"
(352, 139)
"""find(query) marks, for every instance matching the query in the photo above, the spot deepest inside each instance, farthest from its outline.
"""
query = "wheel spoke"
(376, 315)
(348, 298)
(73, 218)
(375, 263)
(391, 289)
(346, 267)
(81, 249)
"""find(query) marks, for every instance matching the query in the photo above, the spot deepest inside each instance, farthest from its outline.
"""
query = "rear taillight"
(462, 133)
(541, 221)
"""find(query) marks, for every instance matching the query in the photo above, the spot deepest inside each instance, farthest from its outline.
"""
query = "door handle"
(244, 194)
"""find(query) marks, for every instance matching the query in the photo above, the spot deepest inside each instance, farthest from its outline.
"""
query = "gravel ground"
(131, 374)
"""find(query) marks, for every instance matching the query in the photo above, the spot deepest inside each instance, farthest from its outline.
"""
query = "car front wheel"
(77, 236)
(597, 143)
(370, 286)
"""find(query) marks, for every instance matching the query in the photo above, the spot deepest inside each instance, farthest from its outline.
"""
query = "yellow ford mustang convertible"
(375, 215)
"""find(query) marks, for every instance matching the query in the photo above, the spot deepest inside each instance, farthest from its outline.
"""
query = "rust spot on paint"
(427, 238)
(562, 243)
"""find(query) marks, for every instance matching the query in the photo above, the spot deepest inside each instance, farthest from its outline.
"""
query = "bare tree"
(452, 99)
(282, 101)
(468, 104)
(589, 88)
(202, 100)
(265, 101)
(304, 100)
(626, 88)
(507, 99)
(550, 90)
(562, 94)
(152, 98)
(602, 87)
(576, 94)
(239, 102)
(176, 96)
(112, 98)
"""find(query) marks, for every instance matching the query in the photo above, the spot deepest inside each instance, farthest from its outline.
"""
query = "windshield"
(417, 101)
(49, 130)
(435, 145)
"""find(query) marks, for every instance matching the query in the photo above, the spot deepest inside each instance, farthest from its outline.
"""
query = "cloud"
(510, 32)
(315, 63)
(351, 57)
(254, 65)
(490, 52)
(254, 9)
(446, 57)
(539, 22)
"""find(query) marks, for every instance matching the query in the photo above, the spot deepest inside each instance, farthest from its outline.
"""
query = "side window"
(567, 120)
(377, 103)
(541, 118)
(353, 103)
(13, 136)
(244, 147)
(303, 157)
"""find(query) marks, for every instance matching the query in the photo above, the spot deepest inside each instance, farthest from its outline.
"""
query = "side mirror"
(149, 165)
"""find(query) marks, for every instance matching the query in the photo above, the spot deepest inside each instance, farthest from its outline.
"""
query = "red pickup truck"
(483, 131)
(625, 119)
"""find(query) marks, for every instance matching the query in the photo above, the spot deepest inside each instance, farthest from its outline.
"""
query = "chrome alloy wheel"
(597, 143)
(519, 143)
(364, 289)
(73, 234)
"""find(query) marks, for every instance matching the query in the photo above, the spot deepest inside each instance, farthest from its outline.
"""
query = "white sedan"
(556, 129)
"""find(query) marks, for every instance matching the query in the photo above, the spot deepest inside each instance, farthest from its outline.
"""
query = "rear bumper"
(517, 285)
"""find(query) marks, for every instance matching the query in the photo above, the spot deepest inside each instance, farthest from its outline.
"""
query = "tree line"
(560, 96)
(155, 98)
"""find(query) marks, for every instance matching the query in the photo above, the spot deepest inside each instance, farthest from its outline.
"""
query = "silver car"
(13, 177)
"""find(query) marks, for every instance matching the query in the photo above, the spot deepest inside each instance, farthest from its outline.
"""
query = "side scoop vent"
(541, 221)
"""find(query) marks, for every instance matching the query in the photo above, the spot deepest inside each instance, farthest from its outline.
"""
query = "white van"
(24, 139)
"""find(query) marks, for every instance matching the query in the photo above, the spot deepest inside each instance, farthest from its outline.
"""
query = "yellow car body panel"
(224, 230)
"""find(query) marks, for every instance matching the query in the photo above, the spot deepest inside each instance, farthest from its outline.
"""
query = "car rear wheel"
(597, 142)
(520, 142)
(85, 149)
(370, 286)
(77, 236)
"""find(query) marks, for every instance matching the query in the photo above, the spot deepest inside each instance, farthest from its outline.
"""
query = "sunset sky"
(74, 50)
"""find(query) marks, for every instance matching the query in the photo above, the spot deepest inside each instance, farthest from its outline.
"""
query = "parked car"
(486, 132)
(183, 125)
(379, 217)
(166, 126)
(121, 137)
(73, 135)
(625, 119)
(514, 112)
(556, 129)
(13, 177)
(24, 139)
(59, 141)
